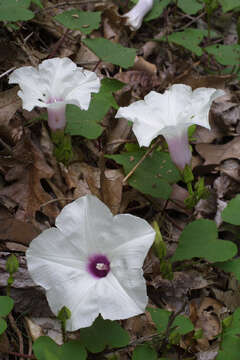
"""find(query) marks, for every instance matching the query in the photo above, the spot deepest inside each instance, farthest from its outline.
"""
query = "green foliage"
(162, 318)
(46, 349)
(232, 266)
(190, 7)
(159, 245)
(38, 3)
(15, 10)
(103, 333)
(84, 21)
(199, 239)
(143, 352)
(62, 146)
(87, 123)
(230, 344)
(153, 176)
(111, 52)
(228, 5)
(158, 7)
(12, 264)
(189, 38)
(199, 192)
(6, 306)
(231, 213)
(225, 54)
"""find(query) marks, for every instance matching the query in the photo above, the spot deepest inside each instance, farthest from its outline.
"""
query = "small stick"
(19, 355)
(141, 160)
(7, 72)
(54, 200)
(18, 333)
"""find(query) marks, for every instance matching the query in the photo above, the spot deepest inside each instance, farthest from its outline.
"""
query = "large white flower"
(136, 14)
(170, 115)
(92, 262)
(55, 83)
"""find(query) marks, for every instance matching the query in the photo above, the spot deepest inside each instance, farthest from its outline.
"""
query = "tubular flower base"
(136, 14)
(170, 114)
(92, 263)
(55, 83)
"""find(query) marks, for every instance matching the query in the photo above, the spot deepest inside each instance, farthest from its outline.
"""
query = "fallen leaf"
(25, 170)
(214, 154)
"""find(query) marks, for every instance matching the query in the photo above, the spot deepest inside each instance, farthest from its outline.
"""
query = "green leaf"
(199, 239)
(225, 54)
(15, 10)
(189, 38)
(84, 21)
(230, 344)
(231, 213)
(232, 266)
(46, 349)
(111, 52)
(190, 7)
(38, 3)
(86, 123)
(3, 326)
(73, 350)
(6, 305)
(103, 333)
(160, 317)
(12, 264)
(153, 176)
(157, 9)
(143, 352)
(228, 5)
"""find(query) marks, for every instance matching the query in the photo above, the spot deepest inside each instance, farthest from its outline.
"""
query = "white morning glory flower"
(170, 114)
(55, 83)
(92, 262)
(136, 14)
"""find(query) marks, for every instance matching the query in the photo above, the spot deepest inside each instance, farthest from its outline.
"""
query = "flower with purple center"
(170, 114)
(91, 262)
(54, 84)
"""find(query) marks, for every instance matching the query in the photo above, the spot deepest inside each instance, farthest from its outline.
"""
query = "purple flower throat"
(98, 265)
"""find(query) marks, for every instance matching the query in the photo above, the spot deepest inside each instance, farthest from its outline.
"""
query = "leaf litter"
(33, 187)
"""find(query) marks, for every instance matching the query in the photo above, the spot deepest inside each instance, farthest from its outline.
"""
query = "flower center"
(98, 265)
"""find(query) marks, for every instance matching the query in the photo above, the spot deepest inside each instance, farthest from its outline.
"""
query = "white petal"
(54, 258)
(86, 82)
(69, 83)
(136, 14)
(80, 296)
(122, 295)
(129, 241)
(88, 217)
(202, 99)
(32, 88)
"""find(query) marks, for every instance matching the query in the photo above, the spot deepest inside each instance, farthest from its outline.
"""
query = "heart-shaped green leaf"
(199, 239)
(84, 21)
(111, 52)
(231, 213)
(160, 317)
(153, 176)
(143, 352)
(87, 123)
(6, 305)
(46, 349)
(103, 333)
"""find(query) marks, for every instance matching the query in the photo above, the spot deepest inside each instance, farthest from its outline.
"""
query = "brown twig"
(18, 333)
(58, 44)
(147, 153)
(24, 356)
(54, 200)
